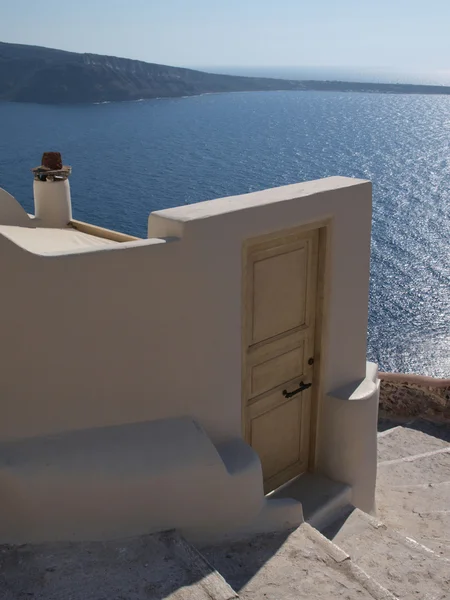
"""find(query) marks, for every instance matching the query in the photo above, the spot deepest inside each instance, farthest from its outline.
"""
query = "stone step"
(403, 441)
(292, 566)
(428, 467)
(322, 499)
(404, 567)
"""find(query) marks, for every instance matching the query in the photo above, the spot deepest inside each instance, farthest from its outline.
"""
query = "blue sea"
(132, 158)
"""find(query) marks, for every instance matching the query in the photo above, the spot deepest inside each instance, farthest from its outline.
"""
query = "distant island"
(48, 76)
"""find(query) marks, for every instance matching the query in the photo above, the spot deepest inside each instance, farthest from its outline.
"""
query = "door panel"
(279, 313)
(279, 432)
(279, 369)
(277, 452)
(278, 293)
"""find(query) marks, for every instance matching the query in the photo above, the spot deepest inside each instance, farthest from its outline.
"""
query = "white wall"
(147, 330)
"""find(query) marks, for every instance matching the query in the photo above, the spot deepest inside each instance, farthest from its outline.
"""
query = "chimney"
(52, 204)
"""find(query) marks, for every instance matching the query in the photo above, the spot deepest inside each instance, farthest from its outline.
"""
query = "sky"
(410, 34)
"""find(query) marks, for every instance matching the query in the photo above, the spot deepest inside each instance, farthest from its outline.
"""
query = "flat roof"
(41, 240)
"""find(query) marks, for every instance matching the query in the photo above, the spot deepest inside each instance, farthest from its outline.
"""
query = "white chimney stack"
(52, 203)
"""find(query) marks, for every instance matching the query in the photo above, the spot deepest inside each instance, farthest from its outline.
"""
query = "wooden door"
(280, 281)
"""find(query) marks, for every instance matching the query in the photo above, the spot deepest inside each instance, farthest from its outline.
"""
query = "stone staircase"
(402, 554)
(298, 564)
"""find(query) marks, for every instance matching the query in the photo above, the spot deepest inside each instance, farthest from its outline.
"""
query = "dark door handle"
(302, 388)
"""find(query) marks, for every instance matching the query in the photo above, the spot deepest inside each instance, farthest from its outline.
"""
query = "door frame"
(324, 228)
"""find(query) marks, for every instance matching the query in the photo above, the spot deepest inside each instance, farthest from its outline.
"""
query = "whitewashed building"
(210, 378)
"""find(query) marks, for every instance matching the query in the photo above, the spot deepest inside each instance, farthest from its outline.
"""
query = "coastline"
(323, 86)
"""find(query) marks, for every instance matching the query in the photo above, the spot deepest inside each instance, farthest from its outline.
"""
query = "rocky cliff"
(44, 75)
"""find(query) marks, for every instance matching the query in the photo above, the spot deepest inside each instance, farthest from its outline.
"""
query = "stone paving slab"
(150, 567)
(421, 512)
(413, 494)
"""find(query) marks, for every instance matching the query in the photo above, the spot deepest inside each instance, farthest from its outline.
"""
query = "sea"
(132, 158)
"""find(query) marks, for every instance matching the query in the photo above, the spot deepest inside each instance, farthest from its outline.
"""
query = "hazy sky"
(362, 33)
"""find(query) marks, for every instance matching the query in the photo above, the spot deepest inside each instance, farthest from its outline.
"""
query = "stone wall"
(405, 395)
